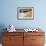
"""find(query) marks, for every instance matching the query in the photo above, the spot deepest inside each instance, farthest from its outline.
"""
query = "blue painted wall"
(8, 13)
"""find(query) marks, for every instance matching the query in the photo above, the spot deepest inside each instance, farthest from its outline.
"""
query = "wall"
(8, 13)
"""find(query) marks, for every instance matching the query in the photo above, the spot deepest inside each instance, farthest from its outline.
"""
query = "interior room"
(24, 16)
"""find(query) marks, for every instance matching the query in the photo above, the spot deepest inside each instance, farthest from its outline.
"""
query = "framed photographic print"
(25, 13)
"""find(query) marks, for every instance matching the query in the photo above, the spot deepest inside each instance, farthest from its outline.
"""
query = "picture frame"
(25, 13)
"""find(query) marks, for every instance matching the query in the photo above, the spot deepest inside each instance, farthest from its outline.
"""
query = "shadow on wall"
(2, 26)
